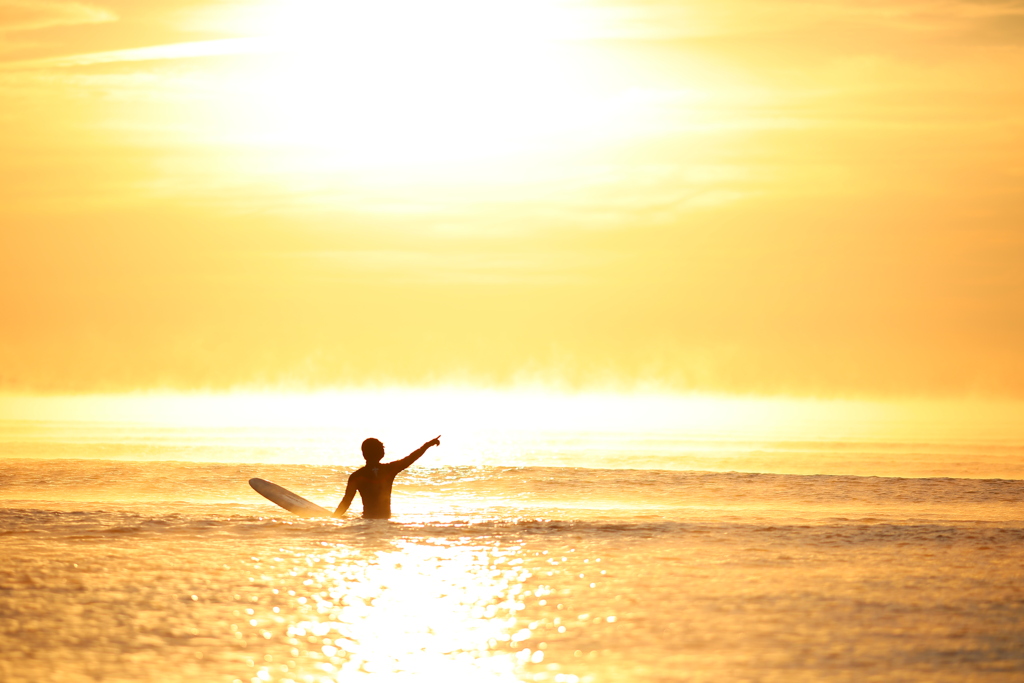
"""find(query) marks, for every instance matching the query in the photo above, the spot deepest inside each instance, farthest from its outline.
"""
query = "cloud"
(30, 15)
(202, 48)
(415, 267)
(661, 20)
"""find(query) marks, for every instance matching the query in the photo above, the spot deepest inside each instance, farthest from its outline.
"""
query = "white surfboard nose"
(291, 502)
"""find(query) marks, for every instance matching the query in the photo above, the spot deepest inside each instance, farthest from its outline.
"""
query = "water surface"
(147, 569)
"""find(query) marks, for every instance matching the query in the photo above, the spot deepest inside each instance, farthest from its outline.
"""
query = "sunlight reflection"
(440, 610)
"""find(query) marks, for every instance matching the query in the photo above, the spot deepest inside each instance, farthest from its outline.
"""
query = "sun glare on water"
(410, 611)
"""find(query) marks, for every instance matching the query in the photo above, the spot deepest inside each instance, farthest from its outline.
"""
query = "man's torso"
(374, 485)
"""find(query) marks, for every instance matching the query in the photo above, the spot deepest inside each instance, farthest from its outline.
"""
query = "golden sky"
(791, 197)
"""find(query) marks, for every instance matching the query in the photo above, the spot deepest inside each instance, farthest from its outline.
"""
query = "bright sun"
(406, 83)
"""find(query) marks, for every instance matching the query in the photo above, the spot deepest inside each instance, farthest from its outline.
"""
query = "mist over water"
(973, 454)
(139, 553)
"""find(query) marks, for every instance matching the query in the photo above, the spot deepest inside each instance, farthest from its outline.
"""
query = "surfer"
(373, 481)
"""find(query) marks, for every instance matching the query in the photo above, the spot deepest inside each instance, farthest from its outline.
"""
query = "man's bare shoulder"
(394, 466)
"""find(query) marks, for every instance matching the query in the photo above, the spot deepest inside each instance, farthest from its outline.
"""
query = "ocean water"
(141, 554)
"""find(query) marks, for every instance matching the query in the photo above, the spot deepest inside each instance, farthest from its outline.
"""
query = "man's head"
(373, 450)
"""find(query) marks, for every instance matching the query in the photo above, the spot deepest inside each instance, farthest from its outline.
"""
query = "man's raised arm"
(416, 454)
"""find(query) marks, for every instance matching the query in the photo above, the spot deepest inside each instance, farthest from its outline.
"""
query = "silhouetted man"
(373, 481)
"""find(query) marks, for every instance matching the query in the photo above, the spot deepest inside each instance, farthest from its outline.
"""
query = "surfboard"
(291, 502)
